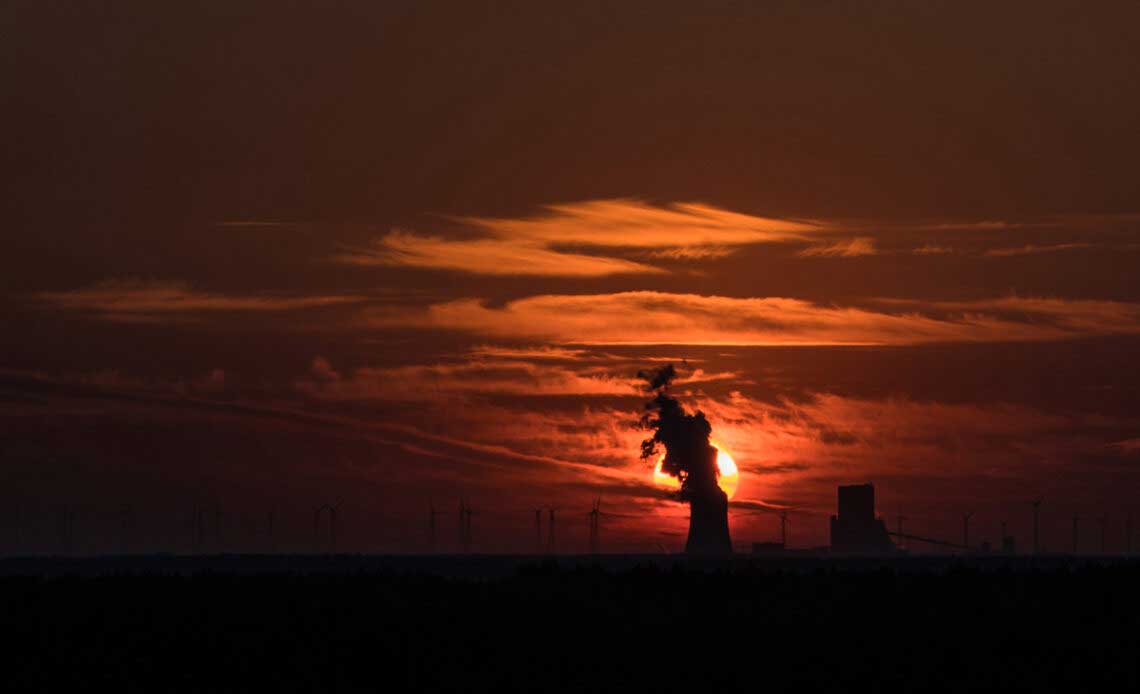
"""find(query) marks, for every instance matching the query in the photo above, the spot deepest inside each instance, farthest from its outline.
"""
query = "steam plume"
(690, 458)
(685, 436)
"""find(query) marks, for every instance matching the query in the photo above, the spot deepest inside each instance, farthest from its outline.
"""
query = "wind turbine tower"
(1007, 542)
(330, 543)
(1036, 503)
(594, 514)
(467, 526)
(465, 513)
(432, 514)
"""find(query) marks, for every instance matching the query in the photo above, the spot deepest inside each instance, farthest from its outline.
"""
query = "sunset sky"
(395, 254)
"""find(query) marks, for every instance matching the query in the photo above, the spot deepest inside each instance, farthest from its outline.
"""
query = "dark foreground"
(510, 624)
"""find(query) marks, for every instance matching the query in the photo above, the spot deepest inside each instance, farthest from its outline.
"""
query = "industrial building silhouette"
(856, 530)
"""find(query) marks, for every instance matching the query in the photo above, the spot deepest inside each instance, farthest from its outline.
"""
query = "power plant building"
(856, 530)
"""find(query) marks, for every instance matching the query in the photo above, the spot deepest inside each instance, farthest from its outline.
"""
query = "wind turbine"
(1103, 533)
(1036, 503)
(595, 516)
(538, 530)
(465, 513)
(966, 529)
(784, 529)
(1076, 519)
(331, 508)
(550, 542)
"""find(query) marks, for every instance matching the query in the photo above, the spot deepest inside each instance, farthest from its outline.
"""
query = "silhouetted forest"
(940, 626)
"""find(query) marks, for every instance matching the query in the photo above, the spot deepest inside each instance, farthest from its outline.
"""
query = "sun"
(728, 480)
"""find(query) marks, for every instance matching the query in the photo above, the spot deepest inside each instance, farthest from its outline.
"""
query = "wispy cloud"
(254, 223)
(664, 318)
(932, 249)
(814, 442)
(541, 245)
(981, 225)
(1030, 249)
(487, 257)
(845, 248)
(557, 353)
(1127, 447)
(692, 252)
(599, 238)
(135, 300)
(633, 223)
(540, 352)
(479, 377)
(437, 381)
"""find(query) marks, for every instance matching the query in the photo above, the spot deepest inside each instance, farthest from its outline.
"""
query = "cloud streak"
(633, 223)
(132, 300)
(462, 379)
(692, 319)
(487, 257)
(846, 248)
(601, 238)
(1030, 249)
(541, 245)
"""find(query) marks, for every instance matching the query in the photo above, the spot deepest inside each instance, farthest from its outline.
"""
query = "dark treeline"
(955, 627)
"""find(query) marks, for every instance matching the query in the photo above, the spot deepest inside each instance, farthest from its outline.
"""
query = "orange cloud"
(1031, 248)
(984, 225)
(127, 300)
(538, 245)
(931, 249)
(632, 223)
(664, 318)
(692, 252)
(437, 382)
(847, 248)
(488, 257)
(537, 352)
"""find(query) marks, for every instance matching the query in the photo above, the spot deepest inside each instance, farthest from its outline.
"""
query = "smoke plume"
(688, 455)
